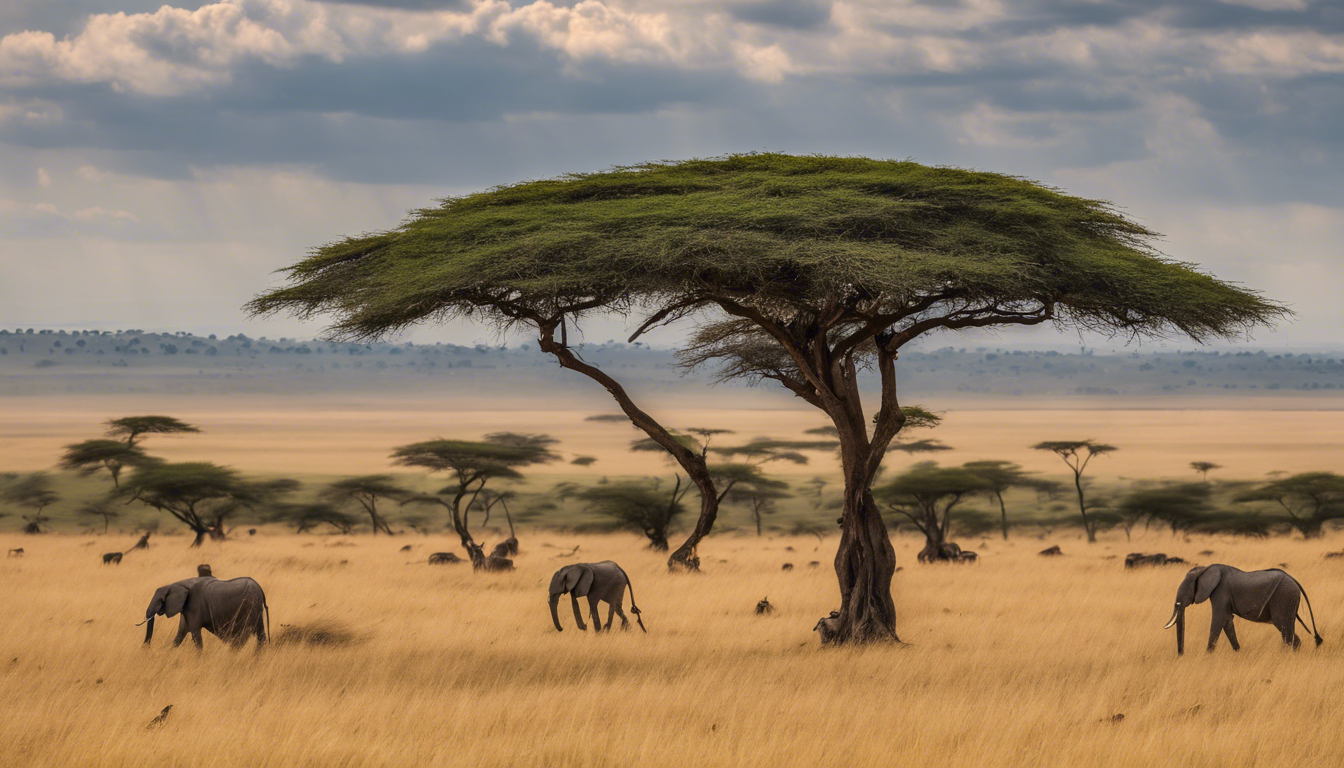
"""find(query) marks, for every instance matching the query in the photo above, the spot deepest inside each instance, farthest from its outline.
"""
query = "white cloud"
(43, 178)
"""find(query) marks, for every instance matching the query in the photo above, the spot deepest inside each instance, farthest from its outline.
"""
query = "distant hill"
(93, 362)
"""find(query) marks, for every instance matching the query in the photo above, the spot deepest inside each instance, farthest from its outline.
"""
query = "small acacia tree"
(1204, 468)
(32, 492)
(1180, 505)
(472, 466)
(640, 505)
(1076, 454)
(110, 455)
(130, 428)
(366, 490)
(200, 495)
(1000, 477)
(927, 494)
(759, 495)
(102, 509)
(799, 270)
(1308, 500)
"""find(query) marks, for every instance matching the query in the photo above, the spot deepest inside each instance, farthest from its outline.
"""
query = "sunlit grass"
(1018, 660)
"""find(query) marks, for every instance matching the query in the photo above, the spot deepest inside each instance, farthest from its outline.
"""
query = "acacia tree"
(366, 490)
(640, 505)
(199, 494)
(1204, 468)
(1179, 506)
(927, 494)
(33, 492)
(1076, 454)
(759, 494)
(102, 509)
(801, 270)
(1309, 499)
(130, 428)
(473, 465)
(110, 455)
(999, 477)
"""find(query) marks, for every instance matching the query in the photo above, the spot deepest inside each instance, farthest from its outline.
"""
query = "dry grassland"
(1020, 660)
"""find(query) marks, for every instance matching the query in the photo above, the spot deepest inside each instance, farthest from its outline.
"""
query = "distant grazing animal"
(1269, 597)
(479, 562)
(967, 556)
(113, 558)
(1054, 551)
(764, 607)
(18, 552)
(828, 627)
(232, 610)
(511, 544)
(1138, 559)
(814, 564)
(1334, 555)
(251, 531)
(143, 543)
(604, 581)
(787, 567)
(406, 548)
(442, 558)
(203, 570)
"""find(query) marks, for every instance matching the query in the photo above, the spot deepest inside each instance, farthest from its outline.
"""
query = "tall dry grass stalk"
(1019, 660)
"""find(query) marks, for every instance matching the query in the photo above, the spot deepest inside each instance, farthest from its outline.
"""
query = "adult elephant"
(604, 581)
(232, 610)
(1267, 597)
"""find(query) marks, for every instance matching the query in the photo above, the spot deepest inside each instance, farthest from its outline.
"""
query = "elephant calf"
(604, 581)
(232, 610)
(1269, 597)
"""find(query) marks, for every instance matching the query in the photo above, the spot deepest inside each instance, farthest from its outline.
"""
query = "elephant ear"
(175, 601)
(1208, 580)
(585, 584)
(559, 582)
(156, 603)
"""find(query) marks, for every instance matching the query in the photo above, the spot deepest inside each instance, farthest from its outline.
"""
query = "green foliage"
(364, 490)
(474, 461)
(1179, 505)
(111, 455)
(584, 461)
(928, 493)
(200, 495)
(131, 427)
(1308, 500)
(789, 230)
(639, 506)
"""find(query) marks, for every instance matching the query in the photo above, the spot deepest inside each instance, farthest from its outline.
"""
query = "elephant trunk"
(149, 629)
(1178, 618)
(555, 614)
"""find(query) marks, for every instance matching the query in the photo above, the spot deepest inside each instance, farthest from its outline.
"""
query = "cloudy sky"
(159, 162)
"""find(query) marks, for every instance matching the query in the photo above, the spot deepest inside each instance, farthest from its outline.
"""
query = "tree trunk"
(936, 546)
(200, 537)
(1082, 508)
(1311, 529)
(1003, 514)
(864, 563)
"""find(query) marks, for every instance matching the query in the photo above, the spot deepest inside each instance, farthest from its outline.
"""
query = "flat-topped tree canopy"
(780, 233)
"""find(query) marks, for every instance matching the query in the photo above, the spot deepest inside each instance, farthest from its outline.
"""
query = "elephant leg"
(1221, 616)
(578, 614)
(260, 632)
(597, 617)
(181, 632)
(625, 623)
(196, 638)
(1231, 633)
(611, 612)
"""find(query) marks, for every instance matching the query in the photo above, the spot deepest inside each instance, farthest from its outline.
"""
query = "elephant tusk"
(1173, 620)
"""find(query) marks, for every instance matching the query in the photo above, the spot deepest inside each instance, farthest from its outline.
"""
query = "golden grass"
(1019, 660)
(331, 435)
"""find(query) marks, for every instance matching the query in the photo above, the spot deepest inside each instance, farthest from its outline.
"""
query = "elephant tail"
(633, 608)
(1311, 613)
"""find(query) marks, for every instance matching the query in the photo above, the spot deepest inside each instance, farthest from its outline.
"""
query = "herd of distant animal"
(235, 610)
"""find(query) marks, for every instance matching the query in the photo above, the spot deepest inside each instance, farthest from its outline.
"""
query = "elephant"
(604, 581)
(112, 558)
(1270, 597)
(232, 610)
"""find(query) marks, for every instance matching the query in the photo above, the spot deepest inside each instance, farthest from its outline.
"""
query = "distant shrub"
(324, 631)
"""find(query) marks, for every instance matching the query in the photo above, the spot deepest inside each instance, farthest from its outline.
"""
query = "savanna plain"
(1014, 660)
